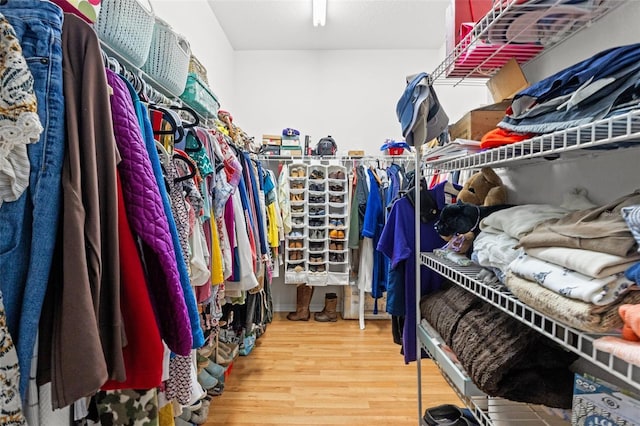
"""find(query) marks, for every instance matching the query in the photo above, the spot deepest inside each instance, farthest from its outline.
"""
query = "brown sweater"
(87, 336)
(600, 229)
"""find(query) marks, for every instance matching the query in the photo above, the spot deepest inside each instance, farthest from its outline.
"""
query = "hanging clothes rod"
(293, 159)
(144, 84)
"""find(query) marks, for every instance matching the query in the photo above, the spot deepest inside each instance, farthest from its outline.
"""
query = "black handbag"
(445, 415)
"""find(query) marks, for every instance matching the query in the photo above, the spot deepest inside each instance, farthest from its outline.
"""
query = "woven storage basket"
(196, 67)
(199, 97)
(168, 60)
(126, 26)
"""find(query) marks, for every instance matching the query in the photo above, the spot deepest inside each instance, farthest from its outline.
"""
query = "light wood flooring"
(311, 373)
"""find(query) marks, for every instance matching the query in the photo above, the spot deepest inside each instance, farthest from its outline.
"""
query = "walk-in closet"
(319, 212)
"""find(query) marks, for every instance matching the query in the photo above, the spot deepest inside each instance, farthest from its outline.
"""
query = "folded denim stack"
(601, 86)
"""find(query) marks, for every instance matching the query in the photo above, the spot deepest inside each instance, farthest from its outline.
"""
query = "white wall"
(618, 28)
(195, 20)
(349, 94)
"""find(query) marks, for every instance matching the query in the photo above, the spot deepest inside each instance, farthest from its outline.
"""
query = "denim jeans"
(28, 225)
(593, 108)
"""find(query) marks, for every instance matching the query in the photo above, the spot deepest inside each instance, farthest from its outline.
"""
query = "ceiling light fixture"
(319, 12)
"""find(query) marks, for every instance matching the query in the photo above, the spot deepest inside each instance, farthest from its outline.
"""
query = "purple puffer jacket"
(149, 222)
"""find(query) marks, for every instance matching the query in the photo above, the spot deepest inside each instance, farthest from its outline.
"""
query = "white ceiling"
(351, 24)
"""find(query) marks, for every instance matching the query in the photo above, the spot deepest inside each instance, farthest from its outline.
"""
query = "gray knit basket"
(168, 60)
(126, 26)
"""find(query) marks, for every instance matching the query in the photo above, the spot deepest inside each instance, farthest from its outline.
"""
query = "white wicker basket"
(126, 26)
(168, 60)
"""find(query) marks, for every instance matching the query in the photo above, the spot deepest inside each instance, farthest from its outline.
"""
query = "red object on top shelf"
(519, 29)
(483, 60)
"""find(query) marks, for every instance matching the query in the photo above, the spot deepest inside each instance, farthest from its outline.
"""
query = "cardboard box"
(351, 305)
(271, 139)
(291, 141)
(508, 81)
(293, 151)
(479, 121)
(356, 153)
(598, 403)
(270, 149)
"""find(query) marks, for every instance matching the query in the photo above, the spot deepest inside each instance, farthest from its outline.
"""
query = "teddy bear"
(484, 188)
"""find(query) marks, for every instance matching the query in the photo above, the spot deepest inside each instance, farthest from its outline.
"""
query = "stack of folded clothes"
(604, 85)
(567, 263)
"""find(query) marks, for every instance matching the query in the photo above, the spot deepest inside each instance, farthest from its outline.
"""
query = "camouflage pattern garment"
(128, 407)
(10, 403)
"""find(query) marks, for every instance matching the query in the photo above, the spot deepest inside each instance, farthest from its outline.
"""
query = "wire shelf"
(457, 379)
(577, 341)
(521, 30)
(621, 131)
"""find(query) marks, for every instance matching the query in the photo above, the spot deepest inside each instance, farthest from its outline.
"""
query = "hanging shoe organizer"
(316, 250)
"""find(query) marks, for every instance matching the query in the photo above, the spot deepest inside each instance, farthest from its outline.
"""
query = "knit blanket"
(508, 359)
(575, 313)
(444, 308)
(599, 291)
(503, 357)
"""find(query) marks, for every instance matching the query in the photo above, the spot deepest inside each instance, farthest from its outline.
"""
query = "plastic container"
(199, 97)
(168, 59)
(126, 26)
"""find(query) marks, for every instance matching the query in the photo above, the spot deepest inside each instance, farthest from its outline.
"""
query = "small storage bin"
(126, 26)
(199, 97)
(168, 60)
(196, 67)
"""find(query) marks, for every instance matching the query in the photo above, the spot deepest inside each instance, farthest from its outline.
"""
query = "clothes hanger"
(199, 143)
(173, 120)
(193, 171)
(375, 175)
(185, 124)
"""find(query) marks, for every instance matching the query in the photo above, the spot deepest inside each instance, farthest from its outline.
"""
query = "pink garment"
(623, 349)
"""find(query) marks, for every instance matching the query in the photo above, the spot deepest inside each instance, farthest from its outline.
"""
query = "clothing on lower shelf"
(503, 356)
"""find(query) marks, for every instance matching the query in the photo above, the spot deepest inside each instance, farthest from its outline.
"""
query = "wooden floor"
(311, 373)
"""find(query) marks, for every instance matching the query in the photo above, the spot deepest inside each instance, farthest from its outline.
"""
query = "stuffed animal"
(630, 314)
(484, 188)
(459, 223)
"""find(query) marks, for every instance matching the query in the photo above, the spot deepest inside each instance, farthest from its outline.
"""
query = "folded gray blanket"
(504, 357)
